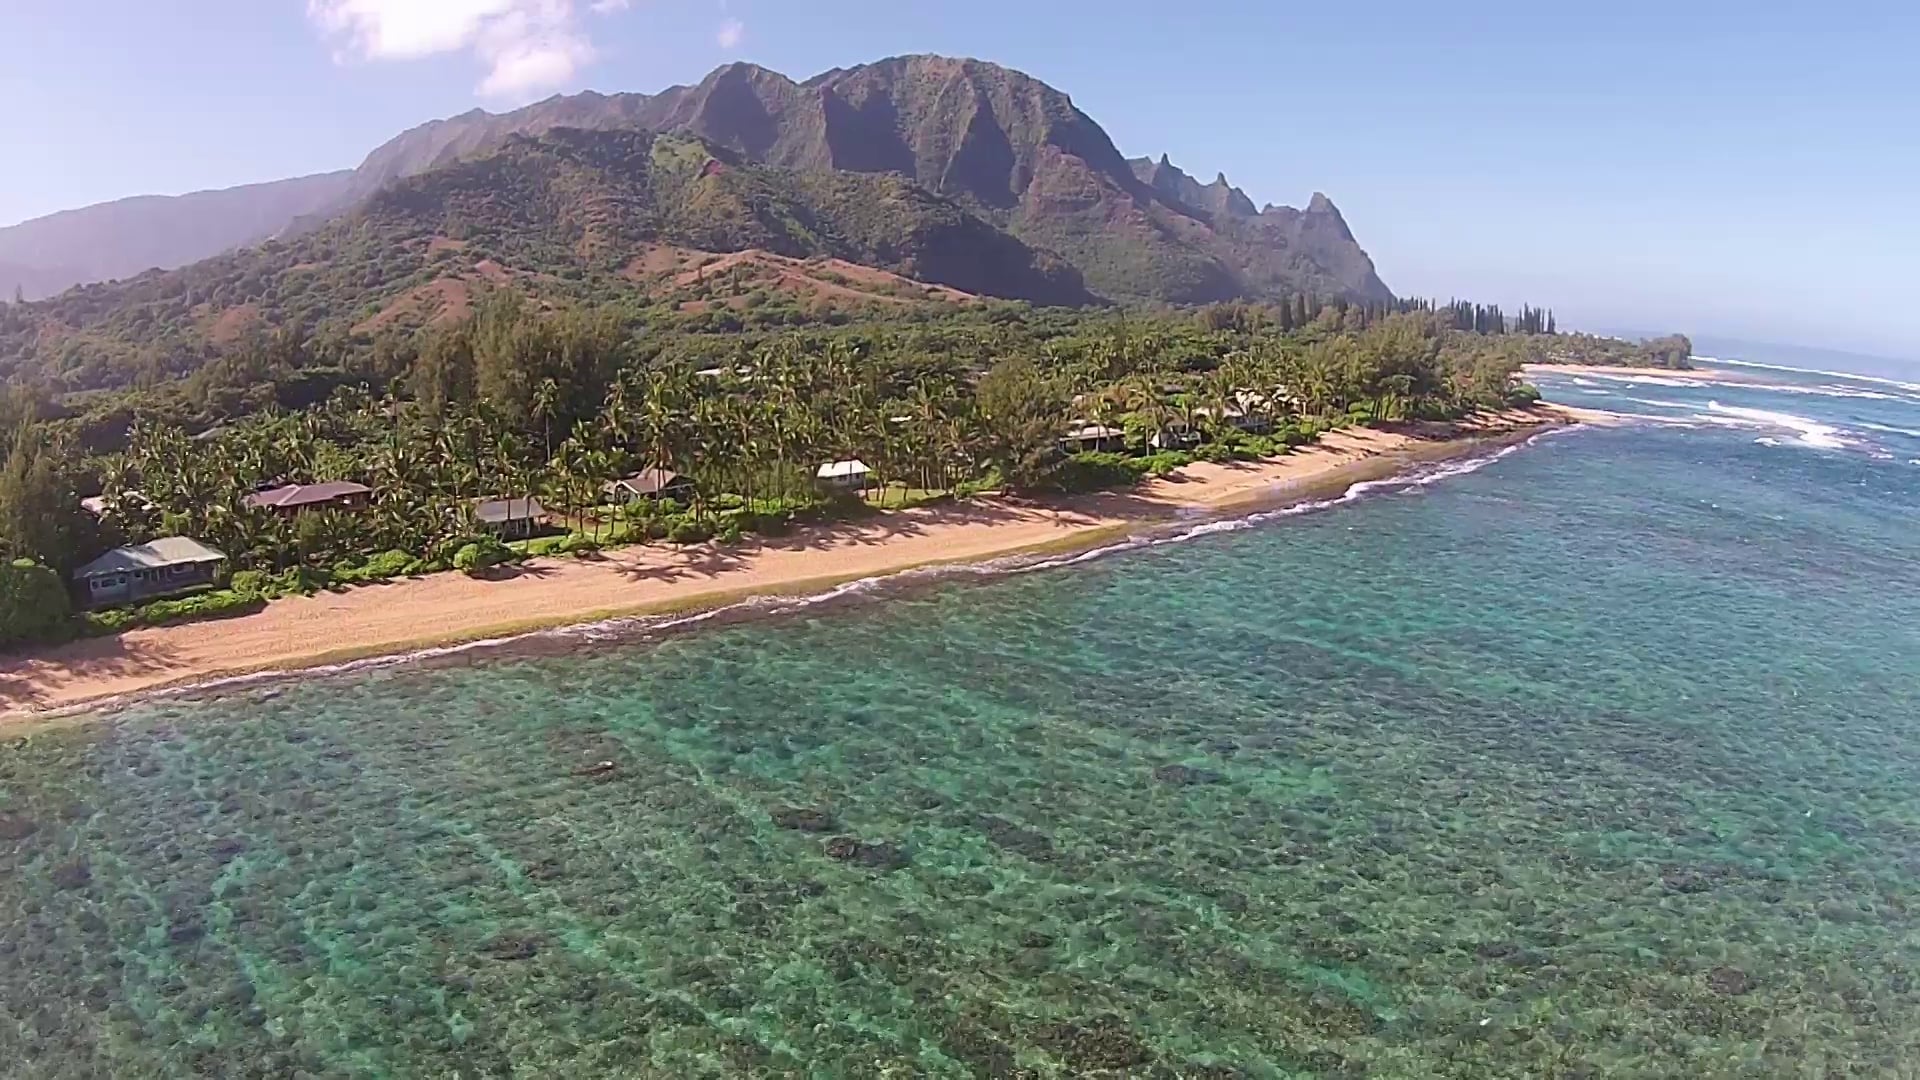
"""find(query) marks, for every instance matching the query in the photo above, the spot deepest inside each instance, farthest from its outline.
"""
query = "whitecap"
(1812, 432)
(1891, 430)
(1848, 375)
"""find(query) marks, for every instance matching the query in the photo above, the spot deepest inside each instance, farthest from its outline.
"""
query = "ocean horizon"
(1590, 756)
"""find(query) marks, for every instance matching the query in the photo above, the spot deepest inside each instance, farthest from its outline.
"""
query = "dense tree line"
(520, 400)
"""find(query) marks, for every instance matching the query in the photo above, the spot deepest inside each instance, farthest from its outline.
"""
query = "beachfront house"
(510, 518)
(127, 575)
(844, 476)
(1238, 418)
(1178, 435)
(291, 499)
(1094, 438)
(649, 484)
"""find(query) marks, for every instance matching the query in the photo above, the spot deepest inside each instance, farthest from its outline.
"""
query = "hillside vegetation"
(1014, 152)
(563, 217)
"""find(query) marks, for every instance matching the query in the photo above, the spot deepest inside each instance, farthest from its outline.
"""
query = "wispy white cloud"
(527, 46)
(732, 32)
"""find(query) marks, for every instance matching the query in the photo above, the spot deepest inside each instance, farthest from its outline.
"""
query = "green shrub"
(382, 567)
(1095, 471)
(1164, 462)
(251, 582)
(107, 623)
(578, 545)
(689, 531)
(223, 603)
(481, 555)
(34, 608)
(217, 604)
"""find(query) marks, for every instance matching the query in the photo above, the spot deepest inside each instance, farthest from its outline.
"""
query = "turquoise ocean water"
(1599, 759)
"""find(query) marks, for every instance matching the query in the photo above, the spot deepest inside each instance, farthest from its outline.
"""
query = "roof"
(166, 551)
(836, 469)
(648, 481)
(1095, 431)
(294, 495)
(97, 504)
(498, 510)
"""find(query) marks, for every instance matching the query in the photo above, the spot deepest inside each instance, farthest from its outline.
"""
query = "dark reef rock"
(1685, 881)
(1729, 981)
(874, 856)
(1102, 1043)
(1186, 775)
(16, 826)
(1010, 837)
(515, 945)
(73, 875)
(803, 819)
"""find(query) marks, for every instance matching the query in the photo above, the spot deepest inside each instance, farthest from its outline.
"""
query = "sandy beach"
(446, 609)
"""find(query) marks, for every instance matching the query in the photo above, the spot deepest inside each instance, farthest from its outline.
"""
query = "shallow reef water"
(1601, 761)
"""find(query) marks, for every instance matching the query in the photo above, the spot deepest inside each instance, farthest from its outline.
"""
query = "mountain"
(1216, 200)
(119, 239)
(570, 214)
(1004, 146)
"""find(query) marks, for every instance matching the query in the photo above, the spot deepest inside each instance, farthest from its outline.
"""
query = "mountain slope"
(119, 239)
(569, 214)
(1012, 149)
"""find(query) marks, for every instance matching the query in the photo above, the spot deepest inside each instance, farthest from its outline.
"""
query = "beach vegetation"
(33, 604)
(482, 555)
(527, 400)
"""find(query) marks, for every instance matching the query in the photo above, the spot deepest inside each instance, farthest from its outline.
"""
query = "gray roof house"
(510, 518)
(169, 565)
(652, 483)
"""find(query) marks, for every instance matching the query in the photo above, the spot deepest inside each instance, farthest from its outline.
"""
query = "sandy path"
(449, 608)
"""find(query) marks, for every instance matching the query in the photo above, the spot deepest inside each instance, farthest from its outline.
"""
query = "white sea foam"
(1812, 432)
(1766, 441)
(1848, 375)
(1653, 380)
(1891, 430)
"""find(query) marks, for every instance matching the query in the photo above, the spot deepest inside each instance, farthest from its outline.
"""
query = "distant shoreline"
(1709, 372)
(448, 611)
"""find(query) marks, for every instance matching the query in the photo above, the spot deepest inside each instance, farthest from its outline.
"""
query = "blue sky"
(1740, 169)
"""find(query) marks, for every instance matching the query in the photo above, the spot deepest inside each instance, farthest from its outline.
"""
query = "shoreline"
(451, 614)
(1702, 374)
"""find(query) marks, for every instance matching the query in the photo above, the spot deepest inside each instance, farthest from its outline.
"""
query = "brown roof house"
(293, 498)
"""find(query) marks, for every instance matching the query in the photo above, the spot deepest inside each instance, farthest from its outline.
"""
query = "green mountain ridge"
(1006, 146)
(562, 216)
